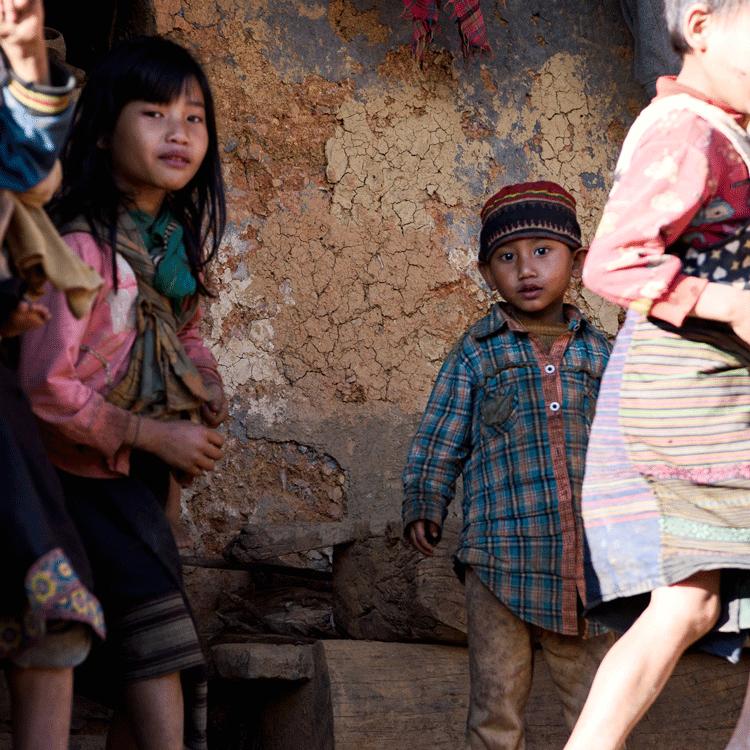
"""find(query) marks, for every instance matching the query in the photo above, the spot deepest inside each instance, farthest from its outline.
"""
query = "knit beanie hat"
(528, 209)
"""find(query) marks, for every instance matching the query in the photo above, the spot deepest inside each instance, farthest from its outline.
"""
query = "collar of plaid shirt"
(500, 317)
(468, 15)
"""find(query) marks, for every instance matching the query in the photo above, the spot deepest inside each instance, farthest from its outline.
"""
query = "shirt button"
(549, 369)
(554, 406)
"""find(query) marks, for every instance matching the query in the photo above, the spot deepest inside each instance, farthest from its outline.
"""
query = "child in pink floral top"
(666, 494)
(129, 396)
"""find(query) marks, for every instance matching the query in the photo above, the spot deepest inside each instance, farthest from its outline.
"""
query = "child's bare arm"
(26, 317)
(726, 304)
(22, 39)
(417, 532)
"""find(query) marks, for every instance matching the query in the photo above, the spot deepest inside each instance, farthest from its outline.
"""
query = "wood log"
(370, 696)
(385, 590)
(289, 662)
(293, 611)
(269, 541)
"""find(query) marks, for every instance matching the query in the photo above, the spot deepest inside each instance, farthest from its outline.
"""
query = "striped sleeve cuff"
(44, 100)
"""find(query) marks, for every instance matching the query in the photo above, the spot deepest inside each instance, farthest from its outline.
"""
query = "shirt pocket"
(498, 403)
(581, 390)
(499, 409)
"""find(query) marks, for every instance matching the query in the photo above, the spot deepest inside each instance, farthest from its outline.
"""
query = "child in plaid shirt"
(511, 411)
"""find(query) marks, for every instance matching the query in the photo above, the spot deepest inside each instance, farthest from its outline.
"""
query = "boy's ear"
(695, 25)
(579, 256)
(484, 269)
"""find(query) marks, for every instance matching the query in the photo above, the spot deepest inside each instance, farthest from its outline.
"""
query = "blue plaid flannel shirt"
(514, 420)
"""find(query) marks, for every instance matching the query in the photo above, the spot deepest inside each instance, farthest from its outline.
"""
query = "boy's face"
(720, 41)
(533, 275)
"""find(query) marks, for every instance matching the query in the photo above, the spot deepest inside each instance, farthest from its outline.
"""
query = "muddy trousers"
(501, 666)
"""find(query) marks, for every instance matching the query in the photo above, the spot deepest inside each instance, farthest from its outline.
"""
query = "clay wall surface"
(354, 183)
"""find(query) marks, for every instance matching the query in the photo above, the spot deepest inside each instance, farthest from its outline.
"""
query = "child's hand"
(418, 536)
(727, 304)
(214, 411)
(22, 38)
(26, 317)
(191, 448)
(741, 323)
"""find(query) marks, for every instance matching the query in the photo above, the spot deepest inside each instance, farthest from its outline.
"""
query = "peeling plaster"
(355, 182)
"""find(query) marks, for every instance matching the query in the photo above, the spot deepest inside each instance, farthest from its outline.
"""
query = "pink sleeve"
(78, 413)
(650, 206)
(198, 352)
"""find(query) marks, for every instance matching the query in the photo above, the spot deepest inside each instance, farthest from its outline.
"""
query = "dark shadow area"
(96, 24)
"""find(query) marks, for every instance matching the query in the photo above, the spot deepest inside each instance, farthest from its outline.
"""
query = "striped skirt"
(138, 579)
(666, 492)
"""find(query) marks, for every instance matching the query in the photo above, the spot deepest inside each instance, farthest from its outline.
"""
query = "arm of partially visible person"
(438, 451)
(24, 317)
(214, 412)
(35, 109)
(47, 368)
(651, 204)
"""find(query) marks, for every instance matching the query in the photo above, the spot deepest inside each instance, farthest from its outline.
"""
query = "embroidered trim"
(46, 104)
(53, 592)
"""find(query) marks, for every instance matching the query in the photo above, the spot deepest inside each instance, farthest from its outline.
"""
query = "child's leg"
(172, 512)
(741, 736)
(41, 686)
(572, 663)
(638, 666)
(41, 701)
(152, 718)
(500, 668)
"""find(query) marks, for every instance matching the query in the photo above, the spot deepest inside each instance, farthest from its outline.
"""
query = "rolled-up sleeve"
(34, 122)
(68, 407)
(651, 205)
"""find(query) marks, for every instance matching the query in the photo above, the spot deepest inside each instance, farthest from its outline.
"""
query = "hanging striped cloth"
(468, 15)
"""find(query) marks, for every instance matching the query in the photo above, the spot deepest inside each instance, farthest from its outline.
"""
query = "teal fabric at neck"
(163, 238)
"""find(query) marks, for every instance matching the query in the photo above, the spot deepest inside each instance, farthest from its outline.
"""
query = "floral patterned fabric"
(54, 592)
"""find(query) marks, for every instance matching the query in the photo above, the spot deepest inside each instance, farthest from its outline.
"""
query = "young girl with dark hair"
(130, 394)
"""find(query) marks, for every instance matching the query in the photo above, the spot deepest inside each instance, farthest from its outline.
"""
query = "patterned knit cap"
(528, 209)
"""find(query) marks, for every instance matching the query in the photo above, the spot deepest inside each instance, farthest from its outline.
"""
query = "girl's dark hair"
(155, 70)
(674, 12)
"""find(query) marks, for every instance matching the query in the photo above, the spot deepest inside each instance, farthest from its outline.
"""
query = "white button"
(549, 369)
(554, 406)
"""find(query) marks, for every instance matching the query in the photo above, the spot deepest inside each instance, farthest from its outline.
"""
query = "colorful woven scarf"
(468, 15)
(161, 380)
(163, 238)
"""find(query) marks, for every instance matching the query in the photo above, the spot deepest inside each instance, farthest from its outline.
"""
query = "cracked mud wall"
(354, 184)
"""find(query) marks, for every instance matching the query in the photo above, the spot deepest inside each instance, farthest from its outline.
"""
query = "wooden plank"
(270, 541)
(263, 661)
(397, 695)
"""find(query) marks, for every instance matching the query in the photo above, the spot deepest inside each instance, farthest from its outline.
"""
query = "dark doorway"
(90, 27)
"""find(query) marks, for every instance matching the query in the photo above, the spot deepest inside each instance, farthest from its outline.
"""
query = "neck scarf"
(161, 380)
(163, 237)
(468, 15)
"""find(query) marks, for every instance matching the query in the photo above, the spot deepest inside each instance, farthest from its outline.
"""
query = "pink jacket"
(685, 180)
(68, 366)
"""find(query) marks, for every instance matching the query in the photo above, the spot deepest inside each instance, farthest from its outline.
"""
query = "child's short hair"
(674, 10)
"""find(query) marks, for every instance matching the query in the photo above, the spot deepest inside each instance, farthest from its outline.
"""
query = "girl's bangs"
(157, 83)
